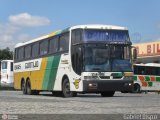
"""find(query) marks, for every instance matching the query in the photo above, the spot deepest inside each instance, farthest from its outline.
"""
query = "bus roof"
(7, 61)
(87, 26)
(149, 64)
(99, 26)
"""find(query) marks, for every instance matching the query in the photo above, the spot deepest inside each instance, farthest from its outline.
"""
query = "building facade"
(148, 52)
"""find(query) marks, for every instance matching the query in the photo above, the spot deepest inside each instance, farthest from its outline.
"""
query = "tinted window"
(28, 51)
(76, 36)
(64, 42)
(53, 47)
(44, 47)
(147, 70)
(21, 53)
(16, 54)
(11, 66)
(35, 50)
(139, 70)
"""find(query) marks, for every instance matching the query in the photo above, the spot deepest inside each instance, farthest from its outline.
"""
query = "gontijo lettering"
(31, 64)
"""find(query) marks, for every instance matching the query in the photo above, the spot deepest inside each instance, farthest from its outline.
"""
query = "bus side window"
(44, 47)
(16, 54)
(64, 42)
(53, 45)
(20, 53)
(158, 71)
(11, 66)
(35, 50)
(76, 36)
(27, 51)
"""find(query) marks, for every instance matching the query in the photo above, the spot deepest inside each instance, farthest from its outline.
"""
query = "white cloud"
(27, 20)
(8, 29)
(7, 34)
(12, 32)
(23, 37)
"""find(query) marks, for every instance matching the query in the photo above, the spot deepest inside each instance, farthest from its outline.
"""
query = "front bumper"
(97, 86)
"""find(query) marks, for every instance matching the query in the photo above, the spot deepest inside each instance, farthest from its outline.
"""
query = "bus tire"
(23, 87)
(66, 89)
(28, 88)
(136, 88)
(107, 94)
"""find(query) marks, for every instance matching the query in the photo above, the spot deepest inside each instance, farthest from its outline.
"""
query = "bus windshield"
(107, 58)
(4, 65)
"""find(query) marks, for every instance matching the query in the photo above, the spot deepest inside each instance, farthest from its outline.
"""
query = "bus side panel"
(65, 68)
(147, 82)
(51, 72)
(35, 76)
(18, 77)
(38, 75)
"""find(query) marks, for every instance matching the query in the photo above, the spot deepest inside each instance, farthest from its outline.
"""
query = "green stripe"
(51, 72)
(158, 79)
(135, 78)
(150, 84)
(147, 78)
(116, 74)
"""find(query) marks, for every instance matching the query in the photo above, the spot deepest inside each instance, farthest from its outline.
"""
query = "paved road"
(14, 102)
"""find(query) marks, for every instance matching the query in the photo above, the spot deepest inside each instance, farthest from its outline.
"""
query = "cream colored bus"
(79, 59)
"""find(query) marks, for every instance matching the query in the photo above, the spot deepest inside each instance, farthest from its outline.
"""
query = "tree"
(6, 54)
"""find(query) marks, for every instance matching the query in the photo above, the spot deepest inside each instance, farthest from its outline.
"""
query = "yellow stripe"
(54, 33)
(128, 73)
(36, 77)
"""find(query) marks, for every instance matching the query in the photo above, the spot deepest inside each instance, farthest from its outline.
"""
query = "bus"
(7, 73)
(79, 59)
(146, 77)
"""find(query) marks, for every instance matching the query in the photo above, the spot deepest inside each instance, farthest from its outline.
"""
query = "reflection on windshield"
(107, 58)
(96, 59)
(120, 52)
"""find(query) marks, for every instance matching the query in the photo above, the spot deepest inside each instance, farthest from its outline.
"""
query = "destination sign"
(106, 35)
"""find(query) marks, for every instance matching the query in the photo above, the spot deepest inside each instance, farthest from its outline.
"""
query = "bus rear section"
(7, 73)
(146, 77)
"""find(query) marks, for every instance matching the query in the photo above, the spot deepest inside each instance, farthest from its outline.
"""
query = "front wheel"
(66, 89)
(136, 88)
(107, 94)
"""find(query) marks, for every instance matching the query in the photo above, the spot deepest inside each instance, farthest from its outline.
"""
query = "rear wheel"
(23, 87)
(66, 89)
(29, 91)
(108, 94)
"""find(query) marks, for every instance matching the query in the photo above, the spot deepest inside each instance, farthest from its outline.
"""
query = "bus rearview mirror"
(134, 54)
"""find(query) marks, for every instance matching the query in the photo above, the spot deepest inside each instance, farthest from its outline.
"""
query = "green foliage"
(6, 54)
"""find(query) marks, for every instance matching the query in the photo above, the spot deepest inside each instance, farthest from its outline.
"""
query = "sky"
(23, 20)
